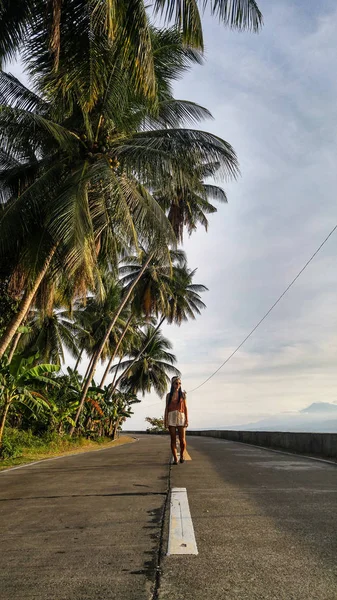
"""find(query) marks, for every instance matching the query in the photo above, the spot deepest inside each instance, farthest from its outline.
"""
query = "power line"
(268, 312)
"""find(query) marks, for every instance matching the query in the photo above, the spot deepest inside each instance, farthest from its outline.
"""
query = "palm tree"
(150, 295)
(90, 191)
(166, 289)
(97, 184)
(100, 188)
(96, 314)
(49, 334)
(188, 206)
(184, 302)
(33, 281)
(122, 341)
(105, 338)
(153, 369)
(88, 27)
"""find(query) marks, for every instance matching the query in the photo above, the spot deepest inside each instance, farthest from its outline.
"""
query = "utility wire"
(267, 313)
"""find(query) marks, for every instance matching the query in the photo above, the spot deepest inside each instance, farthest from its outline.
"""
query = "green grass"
(22, 447)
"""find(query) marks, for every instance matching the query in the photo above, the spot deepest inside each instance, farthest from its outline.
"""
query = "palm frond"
(14, 20)
(186, 17)
(153, 151)
(236, 14)
(175, 113)
(215, 192)
(14, 93)
(16, 120)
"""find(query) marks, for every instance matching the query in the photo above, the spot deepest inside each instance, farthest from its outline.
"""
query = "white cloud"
(273, 97)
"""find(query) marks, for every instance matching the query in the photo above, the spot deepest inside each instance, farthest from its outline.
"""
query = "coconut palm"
(105, 338)
(49, 334)
(148, 154)
(99, 164)
(187, 206)
(165, 289)
(84, 180)
(151, 294)
(123, 339)
(184, 302)
(97, 313)
(89, 27)
(153, 369)
(169, 292)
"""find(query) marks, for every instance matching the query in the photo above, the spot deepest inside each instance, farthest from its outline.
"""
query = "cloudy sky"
(273, 97)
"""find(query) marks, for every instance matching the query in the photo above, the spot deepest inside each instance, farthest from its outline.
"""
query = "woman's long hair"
(181, 394)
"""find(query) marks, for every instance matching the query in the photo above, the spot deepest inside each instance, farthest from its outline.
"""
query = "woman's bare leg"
(173, 435)
(182, 440)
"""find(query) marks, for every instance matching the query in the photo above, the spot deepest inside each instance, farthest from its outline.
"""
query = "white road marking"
(181, 533)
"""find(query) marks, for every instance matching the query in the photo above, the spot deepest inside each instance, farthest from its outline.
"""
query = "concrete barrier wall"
(320, 444)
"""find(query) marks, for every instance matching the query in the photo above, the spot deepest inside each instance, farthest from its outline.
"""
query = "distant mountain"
(320, 407)
(319, 417)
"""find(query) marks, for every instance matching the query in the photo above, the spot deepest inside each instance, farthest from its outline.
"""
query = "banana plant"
(119, 409)
(20, 384)
(61, 414)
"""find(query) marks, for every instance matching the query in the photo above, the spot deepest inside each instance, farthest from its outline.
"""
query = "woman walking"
(176, 417)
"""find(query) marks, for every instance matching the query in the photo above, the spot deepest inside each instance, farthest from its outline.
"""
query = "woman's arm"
(165, 415)
(185, 411)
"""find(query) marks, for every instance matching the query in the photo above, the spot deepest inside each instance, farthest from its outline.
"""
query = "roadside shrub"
(157, 425)
(8, 449)
(15, 440)
(17, 443)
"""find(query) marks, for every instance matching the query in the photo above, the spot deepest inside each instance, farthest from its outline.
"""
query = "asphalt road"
(265, 526)
(94, 526)
(84, 527)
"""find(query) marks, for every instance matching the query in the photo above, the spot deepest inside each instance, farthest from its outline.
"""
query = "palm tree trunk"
(115, 352)
(78, 359)
(24, 306)
(103, 342)
(3, 421)
(115, 375)
(89, 366)
(17, 339)
(138, 356)
(14, 346)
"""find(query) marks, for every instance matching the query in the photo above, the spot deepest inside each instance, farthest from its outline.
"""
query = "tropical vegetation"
(156, 424)
(102, 173)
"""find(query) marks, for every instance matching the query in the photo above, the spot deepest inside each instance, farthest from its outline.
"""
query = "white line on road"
(181, 533)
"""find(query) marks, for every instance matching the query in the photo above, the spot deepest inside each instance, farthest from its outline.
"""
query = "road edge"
(110, 445)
